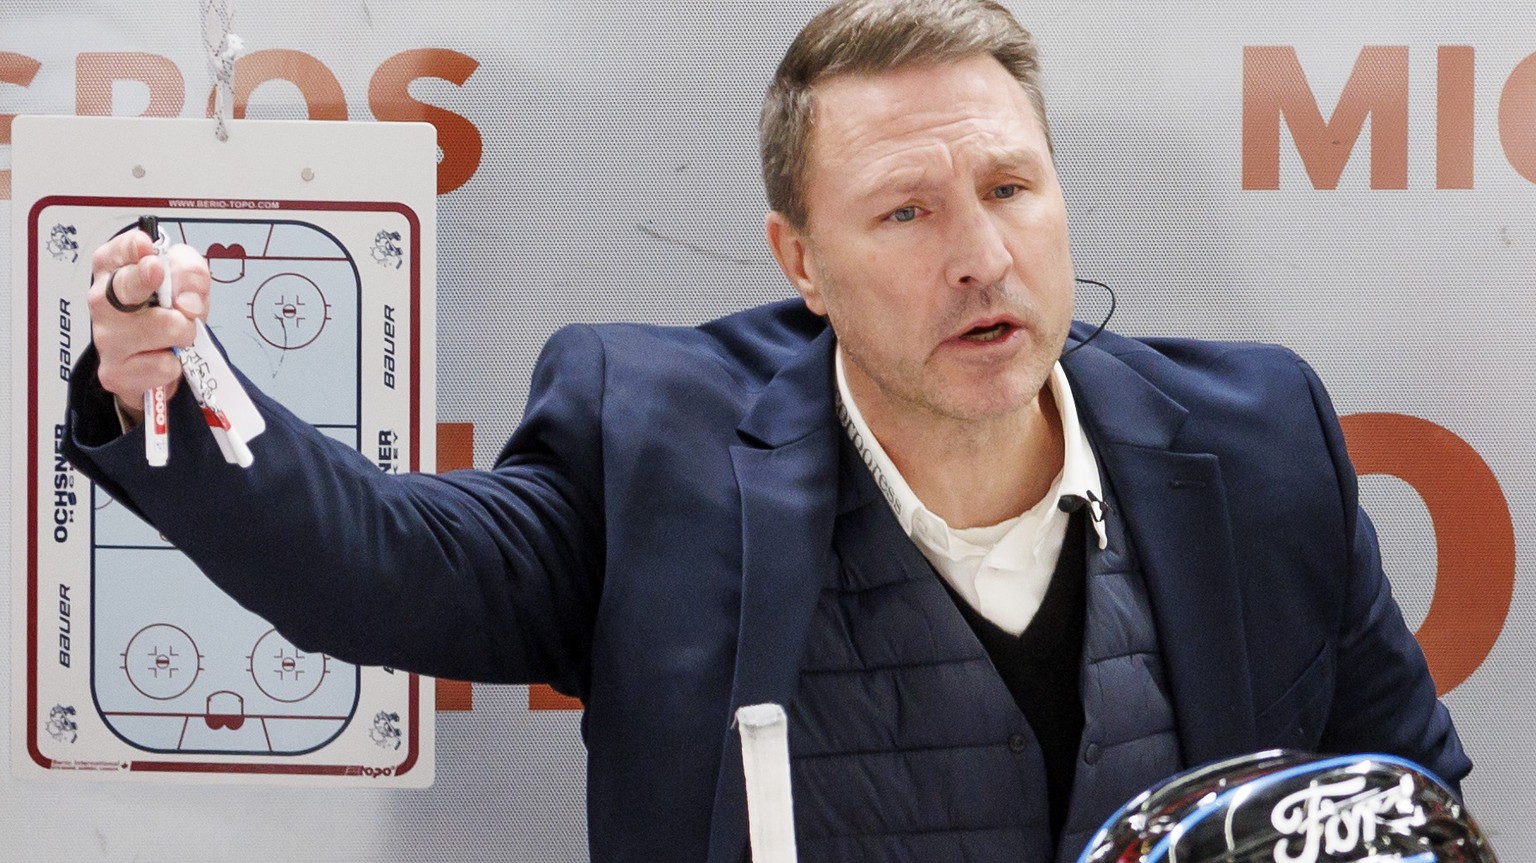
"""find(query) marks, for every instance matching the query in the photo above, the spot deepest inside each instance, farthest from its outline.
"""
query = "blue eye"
(905, 214)
(1007, 190)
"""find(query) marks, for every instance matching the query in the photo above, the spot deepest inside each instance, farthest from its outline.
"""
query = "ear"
(791, 247)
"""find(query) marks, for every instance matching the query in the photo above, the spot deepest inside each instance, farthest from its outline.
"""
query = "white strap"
(223, 46)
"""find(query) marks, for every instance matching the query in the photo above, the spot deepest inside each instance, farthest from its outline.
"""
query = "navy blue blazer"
(654, 536)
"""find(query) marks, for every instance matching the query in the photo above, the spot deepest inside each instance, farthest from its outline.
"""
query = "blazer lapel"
(1175, 509)
(786, 468)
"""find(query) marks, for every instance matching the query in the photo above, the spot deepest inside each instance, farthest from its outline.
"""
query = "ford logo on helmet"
(1291, 807)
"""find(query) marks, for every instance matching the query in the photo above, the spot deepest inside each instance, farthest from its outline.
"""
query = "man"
(998, 593)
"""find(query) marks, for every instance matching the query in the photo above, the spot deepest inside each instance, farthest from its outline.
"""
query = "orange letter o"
(1474, 536)
(322, 92)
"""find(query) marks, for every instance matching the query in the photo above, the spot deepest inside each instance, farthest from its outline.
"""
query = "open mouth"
(988, 333)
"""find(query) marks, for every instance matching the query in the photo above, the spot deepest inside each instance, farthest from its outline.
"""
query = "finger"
(190, 275)
(131, 283)
(150, 329)
(130, 377)
(193, 305)
(120, 251)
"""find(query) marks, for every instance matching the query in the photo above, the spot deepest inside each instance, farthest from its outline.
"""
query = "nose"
(978, 251)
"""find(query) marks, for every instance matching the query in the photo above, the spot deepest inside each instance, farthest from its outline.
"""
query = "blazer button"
(1017, 742)
(1091, 753)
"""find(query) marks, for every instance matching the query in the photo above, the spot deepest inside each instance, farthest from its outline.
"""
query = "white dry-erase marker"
(765, 763)
(157, 439)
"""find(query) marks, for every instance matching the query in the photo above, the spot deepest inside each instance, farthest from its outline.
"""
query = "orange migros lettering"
(97, 72)
(1454, 134)
(322, 93)
(17, 69)
(1517, 118)
(1275, 87)
(389, 97)
(1474, 534)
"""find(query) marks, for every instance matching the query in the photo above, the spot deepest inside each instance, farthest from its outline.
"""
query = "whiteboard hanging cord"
(223, 47)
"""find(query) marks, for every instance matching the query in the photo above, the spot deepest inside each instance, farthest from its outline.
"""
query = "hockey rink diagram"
(178, 676)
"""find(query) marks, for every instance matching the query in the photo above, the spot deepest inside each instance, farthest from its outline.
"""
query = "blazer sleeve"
(482, 575)
(1384, 699)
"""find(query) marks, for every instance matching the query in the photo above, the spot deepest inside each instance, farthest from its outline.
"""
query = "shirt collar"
(1076, 484)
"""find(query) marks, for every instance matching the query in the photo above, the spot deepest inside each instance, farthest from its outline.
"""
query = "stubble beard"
(924, 389)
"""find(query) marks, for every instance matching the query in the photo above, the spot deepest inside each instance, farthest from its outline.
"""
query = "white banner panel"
(1354, 181)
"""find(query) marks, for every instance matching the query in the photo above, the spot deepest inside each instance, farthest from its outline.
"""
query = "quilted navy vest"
(905, 743)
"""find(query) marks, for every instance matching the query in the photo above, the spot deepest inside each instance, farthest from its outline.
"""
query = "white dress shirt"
(1003, 569)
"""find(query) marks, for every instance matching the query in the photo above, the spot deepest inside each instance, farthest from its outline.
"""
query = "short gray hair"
(868, 37)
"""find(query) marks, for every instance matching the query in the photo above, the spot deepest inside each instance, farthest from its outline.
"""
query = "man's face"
(936, 240)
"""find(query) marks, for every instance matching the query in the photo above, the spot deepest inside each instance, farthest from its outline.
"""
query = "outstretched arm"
(486, 575)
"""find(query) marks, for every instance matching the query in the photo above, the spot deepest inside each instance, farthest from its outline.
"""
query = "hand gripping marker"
(227, 408)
